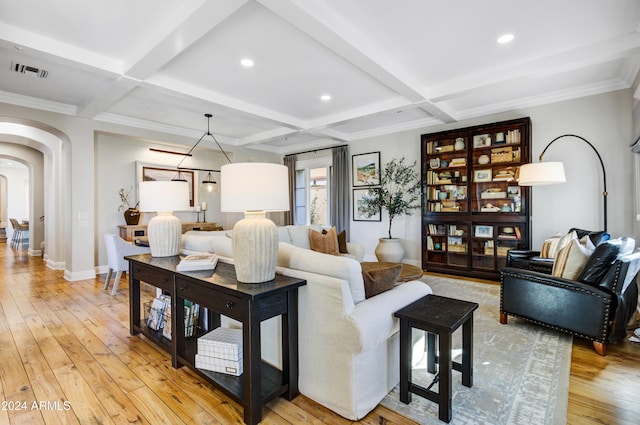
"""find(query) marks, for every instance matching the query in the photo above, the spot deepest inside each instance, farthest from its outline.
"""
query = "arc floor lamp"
(546, 173)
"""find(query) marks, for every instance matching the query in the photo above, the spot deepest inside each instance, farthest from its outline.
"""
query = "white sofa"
(197, 241)
(348, 345)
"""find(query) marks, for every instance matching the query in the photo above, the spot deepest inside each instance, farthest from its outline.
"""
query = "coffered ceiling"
(387, 65)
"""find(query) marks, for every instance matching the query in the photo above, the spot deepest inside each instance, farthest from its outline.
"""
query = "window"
(313, 191)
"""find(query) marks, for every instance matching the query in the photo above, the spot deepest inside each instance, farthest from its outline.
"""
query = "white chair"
(19, 230)
(117, 249)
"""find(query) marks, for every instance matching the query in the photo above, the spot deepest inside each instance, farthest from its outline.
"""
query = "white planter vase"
(389, 250)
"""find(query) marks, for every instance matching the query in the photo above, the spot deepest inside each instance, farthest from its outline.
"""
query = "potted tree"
(398, 194)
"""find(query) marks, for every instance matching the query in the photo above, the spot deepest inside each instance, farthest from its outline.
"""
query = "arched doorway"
(49, 187)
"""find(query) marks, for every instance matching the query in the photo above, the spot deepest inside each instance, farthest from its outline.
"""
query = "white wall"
(117, 165)
(16, 196)
(604, 120)
(117, 162)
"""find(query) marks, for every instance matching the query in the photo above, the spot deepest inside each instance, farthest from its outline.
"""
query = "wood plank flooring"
(66, 357)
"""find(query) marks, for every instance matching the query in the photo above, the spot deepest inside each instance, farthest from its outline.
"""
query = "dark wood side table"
(221, 294)
(439, 316)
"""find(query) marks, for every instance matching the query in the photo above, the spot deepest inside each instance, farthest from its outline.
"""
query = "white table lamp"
(254, 188)
(164, 230)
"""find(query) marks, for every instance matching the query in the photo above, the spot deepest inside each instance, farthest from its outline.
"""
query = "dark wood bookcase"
(473, 211)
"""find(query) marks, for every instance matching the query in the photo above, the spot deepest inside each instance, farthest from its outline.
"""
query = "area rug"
(520, 370)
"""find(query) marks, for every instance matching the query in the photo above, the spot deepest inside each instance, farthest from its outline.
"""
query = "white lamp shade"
(164, 196)
(541, 173)
(254, 186)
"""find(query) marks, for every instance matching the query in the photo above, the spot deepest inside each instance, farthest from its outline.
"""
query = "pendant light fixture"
(209, 184)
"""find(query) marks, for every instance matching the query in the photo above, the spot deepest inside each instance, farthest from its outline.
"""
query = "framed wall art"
(151, 172)
(484, 232)
(481, 140)
(358, 212)
(482, 175)
(366, 169)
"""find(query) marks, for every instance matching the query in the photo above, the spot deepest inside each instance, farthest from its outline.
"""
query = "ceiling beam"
(324, 26)
(181, 88)
(188, 24)
(580, 58)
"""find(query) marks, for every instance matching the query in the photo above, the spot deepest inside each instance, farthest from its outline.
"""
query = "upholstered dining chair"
(117, 249)
(19, 229)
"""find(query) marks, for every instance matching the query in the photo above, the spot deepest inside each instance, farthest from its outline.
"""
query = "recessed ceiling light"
(246, 62)
(506, 38)
(326, 97)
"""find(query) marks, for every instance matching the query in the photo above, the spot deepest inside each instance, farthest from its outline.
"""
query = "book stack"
(221, 351)
(197, 262)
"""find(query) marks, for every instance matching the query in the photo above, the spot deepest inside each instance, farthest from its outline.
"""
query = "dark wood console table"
(220, 293)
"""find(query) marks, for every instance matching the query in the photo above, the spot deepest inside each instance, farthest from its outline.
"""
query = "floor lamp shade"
(164, 230)
(541, 173)
(254, 188)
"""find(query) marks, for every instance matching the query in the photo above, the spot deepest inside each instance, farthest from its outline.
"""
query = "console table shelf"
(221, 294)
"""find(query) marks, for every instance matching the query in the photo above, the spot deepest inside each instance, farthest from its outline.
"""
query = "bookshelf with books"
(469, 181)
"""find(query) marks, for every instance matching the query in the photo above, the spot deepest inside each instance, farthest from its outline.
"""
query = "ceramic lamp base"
(255, 248)
(165, 232)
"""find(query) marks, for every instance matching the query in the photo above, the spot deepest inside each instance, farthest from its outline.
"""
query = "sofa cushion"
(283, 234)
(599, 262)
(380, 280)
(348, 269)
(299, 235)
(570, 261)
(327, 243)
(198, 243)
(222, 246)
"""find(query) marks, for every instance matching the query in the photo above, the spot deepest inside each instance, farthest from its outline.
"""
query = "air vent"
(29, 70)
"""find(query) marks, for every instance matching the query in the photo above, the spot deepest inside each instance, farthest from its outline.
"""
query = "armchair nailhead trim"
(548, 281)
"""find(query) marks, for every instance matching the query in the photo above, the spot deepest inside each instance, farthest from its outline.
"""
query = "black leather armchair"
(531, 260)
(598, 311)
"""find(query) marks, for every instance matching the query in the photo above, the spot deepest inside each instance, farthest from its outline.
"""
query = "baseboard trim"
(83, 275)
(54, 265)
(102, 269)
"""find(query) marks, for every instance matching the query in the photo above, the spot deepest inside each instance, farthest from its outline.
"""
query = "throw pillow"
(570, 261)
(599, 263)
(596, 237)
(380, 280)
(327, 244)
(342, 241)
(550, 246)
(565, 241)
(625, 245)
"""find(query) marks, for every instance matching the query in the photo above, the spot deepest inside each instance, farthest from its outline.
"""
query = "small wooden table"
(439, 316)
(407, 274)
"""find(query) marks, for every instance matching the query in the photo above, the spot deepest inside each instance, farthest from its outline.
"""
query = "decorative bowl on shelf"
(483, 159)
(459, 145)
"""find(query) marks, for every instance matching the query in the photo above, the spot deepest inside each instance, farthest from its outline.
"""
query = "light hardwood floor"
(66, 357)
